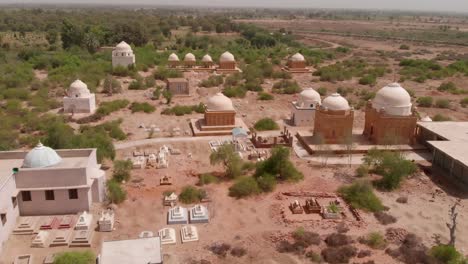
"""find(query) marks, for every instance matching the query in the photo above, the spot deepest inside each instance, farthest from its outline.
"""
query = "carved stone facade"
(296, 64)
(381, 128)
(333, 126)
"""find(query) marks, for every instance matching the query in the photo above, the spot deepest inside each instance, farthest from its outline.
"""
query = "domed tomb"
(40, 157)
(227, 61)
(394, 100)
(207, 61)
(79, 99)
(297, 62)
(189, 60)
(173, 60)
(334, 119)
(78, 89)
(309, 98)
(122, 55)
(219, 102)
(335, 102)
(303, 110)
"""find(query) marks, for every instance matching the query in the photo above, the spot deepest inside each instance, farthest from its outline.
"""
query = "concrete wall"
(124, 61)
(302, 117)
(60, 205)
(79, 105)
(51, 178)
(7, 190)
(452, 167)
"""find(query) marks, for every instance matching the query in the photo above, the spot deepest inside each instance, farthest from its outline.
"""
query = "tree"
(244, 186)
(71, 34)
(349, 146)
(361, 195)
(266, 124)
(168, 96)
(85, 257)
(115, 192)
(226, 154)
(279, 165)
(453, 225)
(111, 86)
(122, 170)
(51, 37)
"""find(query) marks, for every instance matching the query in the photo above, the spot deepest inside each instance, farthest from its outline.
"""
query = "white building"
(79, 99)
(122, 55)
(132, 251)
(303, 110)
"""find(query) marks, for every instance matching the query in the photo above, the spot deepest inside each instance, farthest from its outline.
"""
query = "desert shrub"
(212, 81)
(306, 238)
(345, 70)
(337, 239)
(137, 84)
(322, 91)
(441, 118)
(120, 71)
(220, 249)
(425, 101)
(235, 91)
(229, 158)
(265, 96)
(244, 187)
(464, 102)
(281, 75)
(442, 103)
(368, 79)
(279, 165)
(149, 82)
(384, 218)
(180, 110)
(447, 254)
(106, 108)
(404, 47)
(162, 73)
(207, 178)
(233, 79)
(361, 195)
(75, 257)
(266, 182)
(191, 194)
(402, 199)
(362, 171)
(142, 107)
(337, 255)
(314, 257)
(122, 170)
(375, 240)
(115, 192)
(265, 124)
(238, 252)
(411, 251)
(286, 87)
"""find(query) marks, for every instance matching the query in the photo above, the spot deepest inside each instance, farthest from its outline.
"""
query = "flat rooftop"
(132, 251)
(450, 130)
(177, 80)
(455, 134)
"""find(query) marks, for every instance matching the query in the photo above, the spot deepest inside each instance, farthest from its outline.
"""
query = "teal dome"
(40, 157)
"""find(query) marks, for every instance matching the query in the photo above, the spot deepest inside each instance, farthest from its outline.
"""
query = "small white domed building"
(189, 60)
(390, 118)
(173, 60)
(122, 55)
(334, 119)
(79, 99)
(303, 110)
(207, 61)
(227, 62)
(297, 64)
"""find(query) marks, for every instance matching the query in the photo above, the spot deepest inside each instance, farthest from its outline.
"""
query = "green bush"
(362, 171)
(286, 87)
(425, 101)
(464, 102)
(368, 79)
(361, 195)
(266, 124)
(279, 165)
(404, 47)
(263, 96)
(75, 257)
(244, 187)
(322, 91)
(142, 107)
(106, 108)
(235, 91)
(376, 240)
(212, 81)
(116, 193)
(137, 84)
(442, 103)
(266, 182)
(191, 194)
(441, 118)
(207, 178)
(122, 169)
(180, 110)
(447, 254)
(162, 73)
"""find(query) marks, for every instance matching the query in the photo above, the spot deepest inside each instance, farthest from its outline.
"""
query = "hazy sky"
(423, 5)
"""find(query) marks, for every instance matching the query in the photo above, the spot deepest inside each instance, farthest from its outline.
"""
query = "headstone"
(189, 234)
(106, 221)
(199, 214)
(177, 215)
(168, 236)
(84, 221)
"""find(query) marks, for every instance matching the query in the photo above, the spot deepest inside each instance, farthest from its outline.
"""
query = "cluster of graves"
(332, 210)
(151, 159)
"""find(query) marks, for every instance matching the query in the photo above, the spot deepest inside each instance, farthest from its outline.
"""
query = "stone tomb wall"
(219, 118)
(333, 126)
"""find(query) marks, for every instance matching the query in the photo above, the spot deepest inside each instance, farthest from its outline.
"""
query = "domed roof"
(123, 47)
(297, 57)
(426, 119)
(78, 89)
(173, 57)
(219, 102)
(207, 58)
(227, 57)
(394, 99)
(189, 57)
(40, 157)
(335, 102)
(309, 97)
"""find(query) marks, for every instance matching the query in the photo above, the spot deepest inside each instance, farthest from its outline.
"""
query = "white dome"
(123, 47)
(335, 102)
(309, 98)
(189, 57)
(426, 119)
(219, 102)
(207, 58)
(394, 99)
(227, 57)
(173, 57)
(40, 157)
(297, 57)
(78, 89)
